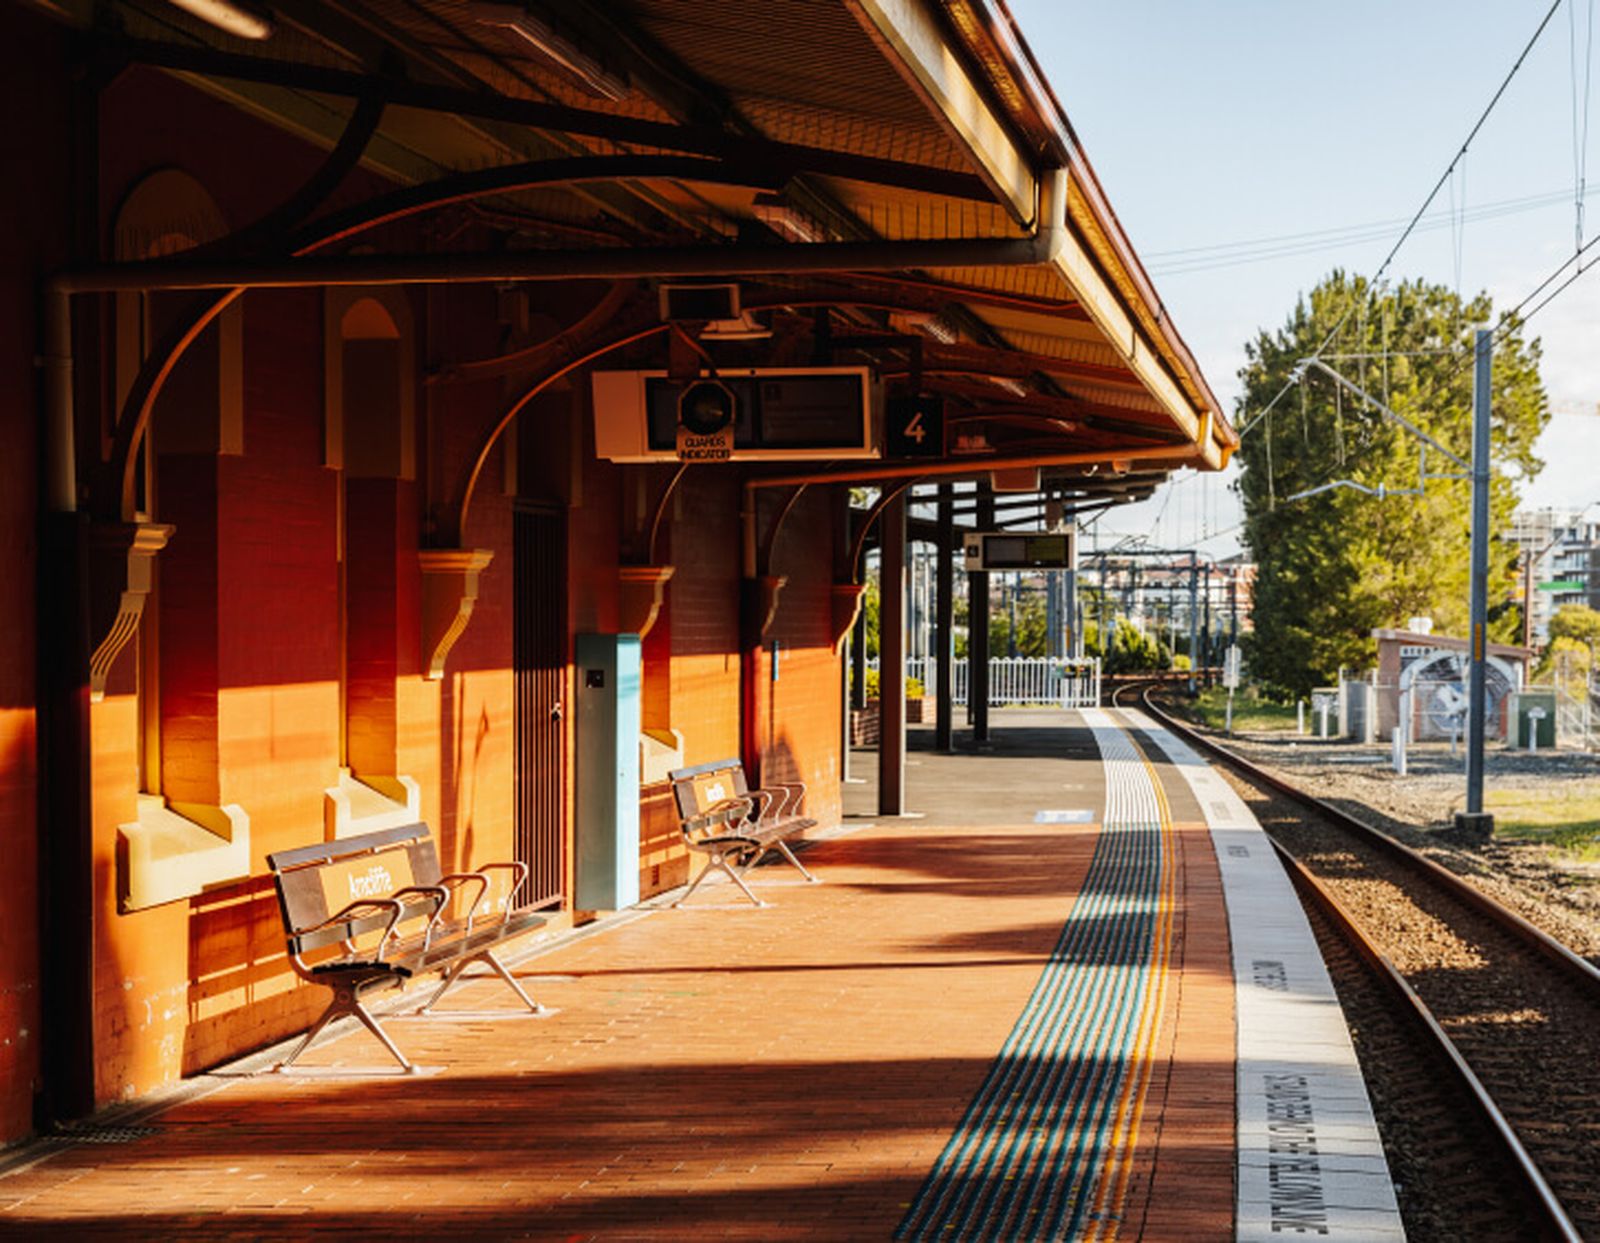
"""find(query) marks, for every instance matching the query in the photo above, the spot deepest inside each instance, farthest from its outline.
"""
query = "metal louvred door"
(539, 659)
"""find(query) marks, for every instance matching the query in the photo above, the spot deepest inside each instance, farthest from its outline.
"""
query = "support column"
(858, 662)
(944, 622)
(66, 855)
(978, 630)
(892, 659)
(1053, 625)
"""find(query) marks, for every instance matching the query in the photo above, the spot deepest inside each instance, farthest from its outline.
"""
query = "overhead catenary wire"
(1290, 245)
(1416, 218)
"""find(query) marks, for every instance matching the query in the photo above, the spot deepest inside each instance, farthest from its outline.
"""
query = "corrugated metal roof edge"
(1031, 84)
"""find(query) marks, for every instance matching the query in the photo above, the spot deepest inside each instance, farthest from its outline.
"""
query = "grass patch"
(1565, 816)
(1250, 712)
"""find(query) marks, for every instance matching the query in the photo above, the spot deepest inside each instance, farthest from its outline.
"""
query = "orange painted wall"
(799, 714)
(191, 983)
(275, 617)
(797, 727)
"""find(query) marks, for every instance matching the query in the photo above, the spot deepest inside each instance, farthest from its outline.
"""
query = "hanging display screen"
(1020, 550)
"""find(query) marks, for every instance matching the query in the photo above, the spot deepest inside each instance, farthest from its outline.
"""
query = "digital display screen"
(1026, 551)
(810, 411)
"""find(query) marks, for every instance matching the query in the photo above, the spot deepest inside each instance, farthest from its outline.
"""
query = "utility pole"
(1105, 609)
(1475, 820)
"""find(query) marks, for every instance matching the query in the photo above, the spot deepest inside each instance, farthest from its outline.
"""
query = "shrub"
(914, 687)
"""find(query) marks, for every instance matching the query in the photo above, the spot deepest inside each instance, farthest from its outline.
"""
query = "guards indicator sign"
(706, 413)
(1027, 550)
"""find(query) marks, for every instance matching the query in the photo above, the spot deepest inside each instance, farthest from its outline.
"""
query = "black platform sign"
(1021, 550)
(915, 427)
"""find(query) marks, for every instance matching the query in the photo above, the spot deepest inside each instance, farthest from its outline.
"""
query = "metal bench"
(736, 826)
(367, 913)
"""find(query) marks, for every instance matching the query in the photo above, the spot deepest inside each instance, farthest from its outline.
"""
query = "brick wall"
(249, 608)
(800, 725)
(796, 723)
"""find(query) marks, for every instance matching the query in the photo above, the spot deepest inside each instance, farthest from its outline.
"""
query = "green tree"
(870, 607)
(1132, 652)
(1566, 662)
(1032, 622)
(1578, 622)
(1337, 565)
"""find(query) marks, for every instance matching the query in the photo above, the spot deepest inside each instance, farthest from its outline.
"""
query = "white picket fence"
(1019, 680)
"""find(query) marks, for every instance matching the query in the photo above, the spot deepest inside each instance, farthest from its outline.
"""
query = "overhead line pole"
(1475, 820)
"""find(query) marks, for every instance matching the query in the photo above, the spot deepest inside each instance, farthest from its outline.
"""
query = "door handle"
(556, 711)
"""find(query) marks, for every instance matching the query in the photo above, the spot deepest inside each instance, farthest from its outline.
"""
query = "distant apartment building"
(1561, 563)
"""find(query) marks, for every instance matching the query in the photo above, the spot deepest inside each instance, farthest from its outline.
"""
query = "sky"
(1220, 129)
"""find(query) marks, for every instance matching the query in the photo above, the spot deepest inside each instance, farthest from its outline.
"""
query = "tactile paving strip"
(1309, 1159)
(1040, 1152)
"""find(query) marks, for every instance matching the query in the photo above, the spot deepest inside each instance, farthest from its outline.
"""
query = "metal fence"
(1578, 716)
(1366, 710)
(1019, 680)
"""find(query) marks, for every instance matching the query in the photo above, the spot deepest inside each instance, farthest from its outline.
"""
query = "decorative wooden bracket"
(124, 562)
(761, 603)
(639, 603)
(449, 592)
(847, 599)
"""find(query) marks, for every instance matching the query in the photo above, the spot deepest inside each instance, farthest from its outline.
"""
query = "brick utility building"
(343, 351)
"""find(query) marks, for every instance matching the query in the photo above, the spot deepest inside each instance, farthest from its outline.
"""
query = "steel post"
(892, 658)
(944, 622)
(1475, 820)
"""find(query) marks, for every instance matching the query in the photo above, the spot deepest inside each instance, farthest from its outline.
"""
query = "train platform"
(1074, 998)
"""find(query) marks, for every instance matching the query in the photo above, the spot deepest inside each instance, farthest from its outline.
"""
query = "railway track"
(1512, 1022)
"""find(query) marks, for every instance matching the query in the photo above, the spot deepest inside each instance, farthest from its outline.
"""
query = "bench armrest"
(746, 805)
(454, 880)
(440, 896)
(789, 794)
(522, 872)
(348, 914)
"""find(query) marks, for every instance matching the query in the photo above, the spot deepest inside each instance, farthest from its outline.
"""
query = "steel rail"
(1579, 968)
(1555, 1218)
(1554, 1214)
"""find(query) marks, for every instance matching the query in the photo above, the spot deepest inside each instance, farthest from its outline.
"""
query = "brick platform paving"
(714, 1071)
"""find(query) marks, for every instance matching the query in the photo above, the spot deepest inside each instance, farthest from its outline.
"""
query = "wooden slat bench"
(370, 912)
(736, 826)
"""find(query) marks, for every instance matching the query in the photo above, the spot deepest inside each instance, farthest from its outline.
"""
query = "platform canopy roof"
(893, 174)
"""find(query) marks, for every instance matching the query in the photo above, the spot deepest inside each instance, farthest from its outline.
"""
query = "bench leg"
(345, 1003)
(457, 971)
(790, 856)
(372, 1026)
(451, 974)
(719, 863)
(499, 969)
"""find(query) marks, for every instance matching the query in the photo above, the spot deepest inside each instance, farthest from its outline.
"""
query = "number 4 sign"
(915, 427)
